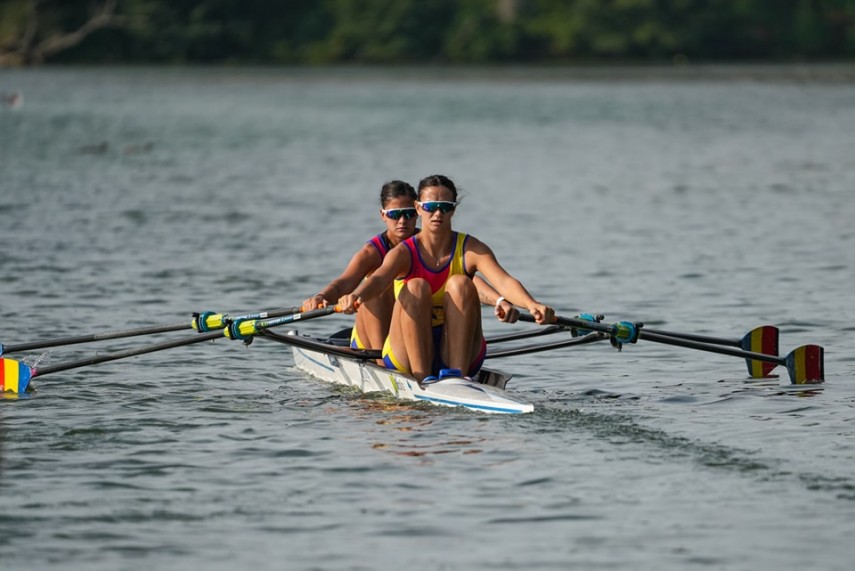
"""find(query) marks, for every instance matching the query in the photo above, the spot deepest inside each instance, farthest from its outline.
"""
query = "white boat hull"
(368, 377)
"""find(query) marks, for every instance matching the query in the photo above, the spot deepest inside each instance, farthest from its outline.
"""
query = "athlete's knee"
(417, 288)
(461, 287)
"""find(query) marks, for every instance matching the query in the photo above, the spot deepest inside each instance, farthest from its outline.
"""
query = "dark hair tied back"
(396, 189)
(438, 180)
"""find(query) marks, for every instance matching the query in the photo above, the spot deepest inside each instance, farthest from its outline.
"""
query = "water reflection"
(411, 429)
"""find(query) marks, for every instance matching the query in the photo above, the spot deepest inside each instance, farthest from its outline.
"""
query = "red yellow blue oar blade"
(14, 376)
(761, 340)
(806, 365)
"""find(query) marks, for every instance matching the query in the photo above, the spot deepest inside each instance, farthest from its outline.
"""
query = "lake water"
(709, 201)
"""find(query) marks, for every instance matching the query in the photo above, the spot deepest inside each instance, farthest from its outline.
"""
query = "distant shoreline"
(750, 72)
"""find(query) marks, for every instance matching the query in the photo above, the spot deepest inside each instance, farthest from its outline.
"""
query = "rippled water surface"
(711, 204)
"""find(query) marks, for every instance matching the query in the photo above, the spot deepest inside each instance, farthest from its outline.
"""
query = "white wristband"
(500, 300)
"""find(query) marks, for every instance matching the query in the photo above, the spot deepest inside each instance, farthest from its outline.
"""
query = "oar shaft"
(685, 340)
(658, 337)
(96, 337)
(215, 321)
(525, 334)
(589, 338)
(711, 348)
(313, 344)
(581, 324)
(115, 355)
(695, 337)
(252, 326)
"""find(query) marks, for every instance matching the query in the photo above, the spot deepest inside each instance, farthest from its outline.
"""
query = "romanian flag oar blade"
(202, 322)
(805, 365)
(763, 339)
(16, 376)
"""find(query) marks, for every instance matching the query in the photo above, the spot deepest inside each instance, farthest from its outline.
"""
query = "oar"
(763, 339)
(202, 322)
(16, 376)
(805, 364)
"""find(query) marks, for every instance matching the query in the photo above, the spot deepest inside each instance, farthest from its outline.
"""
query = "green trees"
(422, 31)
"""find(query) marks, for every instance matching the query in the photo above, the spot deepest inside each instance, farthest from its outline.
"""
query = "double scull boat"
(331, 360)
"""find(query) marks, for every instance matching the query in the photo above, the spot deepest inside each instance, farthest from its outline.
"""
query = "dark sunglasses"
(397, 213)
(443, 206)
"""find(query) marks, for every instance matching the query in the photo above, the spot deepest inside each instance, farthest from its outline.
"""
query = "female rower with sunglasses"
(398, 213)
(436, 319)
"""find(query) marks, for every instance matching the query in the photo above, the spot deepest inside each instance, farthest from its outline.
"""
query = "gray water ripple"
(727, 207)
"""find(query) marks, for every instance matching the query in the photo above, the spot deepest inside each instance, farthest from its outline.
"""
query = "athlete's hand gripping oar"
(16, 376)
(805, 364)
(201, 322)
(763, 339)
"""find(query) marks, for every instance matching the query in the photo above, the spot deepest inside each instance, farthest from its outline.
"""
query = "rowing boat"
(329, 360)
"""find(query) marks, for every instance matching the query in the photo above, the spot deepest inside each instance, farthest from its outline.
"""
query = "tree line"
(323, 32)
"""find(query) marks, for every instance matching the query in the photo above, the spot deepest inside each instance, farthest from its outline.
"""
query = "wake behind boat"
(330, 360)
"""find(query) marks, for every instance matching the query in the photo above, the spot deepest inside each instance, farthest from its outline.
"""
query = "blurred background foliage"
(323, 32)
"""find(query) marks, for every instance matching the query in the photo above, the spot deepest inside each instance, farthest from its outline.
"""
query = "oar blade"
(806, 365)
(14, 376)
(761, 340)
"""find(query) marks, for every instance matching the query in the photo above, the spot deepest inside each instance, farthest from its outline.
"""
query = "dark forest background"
(324, 32)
